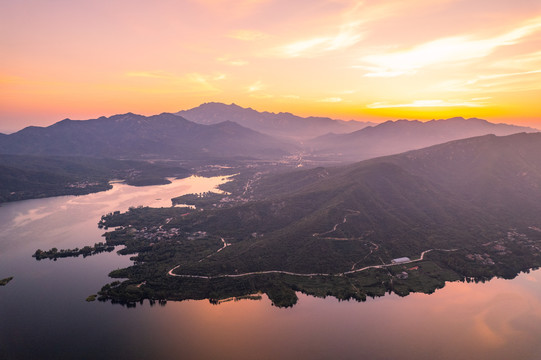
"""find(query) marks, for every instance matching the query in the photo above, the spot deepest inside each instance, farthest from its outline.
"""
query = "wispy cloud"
(331, 100)
(347, 36)
(499, 82)
(257, 86)
(499, 76)
(205, 81)
(247, 35)
(430, 103)
(151, 74)
(443, 51)
(261, 96)
(233, 62)
(374, 71)
(194, 81)
(520, 62)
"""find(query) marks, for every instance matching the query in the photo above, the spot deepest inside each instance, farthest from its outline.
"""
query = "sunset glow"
(365, 60)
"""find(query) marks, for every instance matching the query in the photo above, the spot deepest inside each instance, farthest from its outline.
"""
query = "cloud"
(428, 103)
(521, 62)
(262, 96)
(151, 74)
(247, 35)
(443, 51)
(347, 36)
(233, 62)
(204, 81)
(331, 100)
(193, 81)
(500, 82)
(257, 86)
(499, 76)
(235, 9)
(374, 71)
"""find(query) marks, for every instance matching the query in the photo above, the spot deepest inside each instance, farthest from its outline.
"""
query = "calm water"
(44, 315)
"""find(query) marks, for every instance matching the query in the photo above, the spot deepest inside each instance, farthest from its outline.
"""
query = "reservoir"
(44, 315)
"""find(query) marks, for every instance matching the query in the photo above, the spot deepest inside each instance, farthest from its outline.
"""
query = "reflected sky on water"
(44, 315)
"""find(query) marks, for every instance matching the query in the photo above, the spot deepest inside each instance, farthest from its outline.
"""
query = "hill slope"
(452, 195)
(460, 195)
(461, 210)
(26, 177)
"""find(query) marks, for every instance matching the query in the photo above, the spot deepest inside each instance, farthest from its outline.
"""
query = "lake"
(44, 315)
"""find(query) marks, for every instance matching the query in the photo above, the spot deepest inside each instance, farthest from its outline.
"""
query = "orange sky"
(366, 60)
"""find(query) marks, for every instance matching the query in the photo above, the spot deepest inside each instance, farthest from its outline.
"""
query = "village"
(502, 247)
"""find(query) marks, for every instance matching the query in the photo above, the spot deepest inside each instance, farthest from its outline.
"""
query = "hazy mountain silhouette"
(280, 124)
(394, 137)
(136, 136)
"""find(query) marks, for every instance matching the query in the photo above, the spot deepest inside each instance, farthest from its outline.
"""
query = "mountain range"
(393, 137)
(219, 131)
(136, 136)
(277, 124)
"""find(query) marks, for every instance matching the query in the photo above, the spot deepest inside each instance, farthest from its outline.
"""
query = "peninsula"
(403, 223)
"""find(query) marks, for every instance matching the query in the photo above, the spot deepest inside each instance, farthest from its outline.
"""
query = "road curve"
(170, 272)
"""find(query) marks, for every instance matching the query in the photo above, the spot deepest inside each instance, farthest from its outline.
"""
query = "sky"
(364, 60)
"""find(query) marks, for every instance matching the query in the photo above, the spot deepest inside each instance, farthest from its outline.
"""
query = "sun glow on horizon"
(370, 60)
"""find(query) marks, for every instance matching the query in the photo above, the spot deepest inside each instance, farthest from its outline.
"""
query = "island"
(4, 282)
(54, 253)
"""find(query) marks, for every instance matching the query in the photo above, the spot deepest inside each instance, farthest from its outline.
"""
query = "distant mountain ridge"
(215, 132)
(137, 136)
(276, 124)
(393, 137)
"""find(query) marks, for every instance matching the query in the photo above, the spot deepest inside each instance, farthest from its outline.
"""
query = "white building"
(400, 260)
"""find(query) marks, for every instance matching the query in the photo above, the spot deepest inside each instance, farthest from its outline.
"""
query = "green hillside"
(471, 206)
(28, 177)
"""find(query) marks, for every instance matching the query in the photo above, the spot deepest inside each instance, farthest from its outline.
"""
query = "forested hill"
(461, 210)
(458, 194)
(27, 177)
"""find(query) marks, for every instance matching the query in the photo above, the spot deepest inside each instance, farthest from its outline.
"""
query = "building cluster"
(83, 184)
(483, 259)
(156, 233)
(502, 246)
(524, 240)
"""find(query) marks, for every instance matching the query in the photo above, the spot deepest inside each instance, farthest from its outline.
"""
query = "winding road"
(217, 251)
(170, 272)
(352, 271)
(354, 212)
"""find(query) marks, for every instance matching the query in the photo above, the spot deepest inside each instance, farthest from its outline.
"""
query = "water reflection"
(43, 313)
(496, 320)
